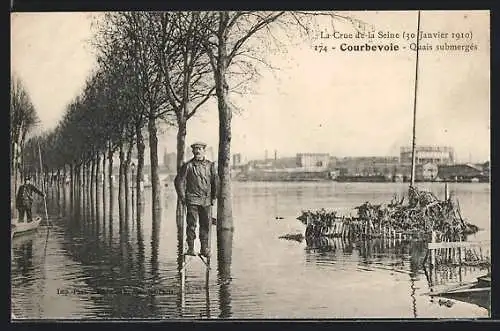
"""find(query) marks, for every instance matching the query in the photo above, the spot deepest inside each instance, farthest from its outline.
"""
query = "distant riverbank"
(359, 179)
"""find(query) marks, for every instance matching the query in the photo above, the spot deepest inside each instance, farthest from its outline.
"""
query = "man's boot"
(190, 250)
(204, 248)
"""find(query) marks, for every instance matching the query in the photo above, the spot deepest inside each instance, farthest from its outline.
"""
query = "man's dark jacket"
(196, 182)
(24, 196)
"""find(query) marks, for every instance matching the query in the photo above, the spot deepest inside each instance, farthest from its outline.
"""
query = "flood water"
(88, 267)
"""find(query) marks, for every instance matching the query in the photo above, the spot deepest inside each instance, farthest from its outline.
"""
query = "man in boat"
(24, 199)
(196, 187)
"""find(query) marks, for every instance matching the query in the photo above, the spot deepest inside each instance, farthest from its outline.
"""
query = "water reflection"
(22, 252)
(131, 270)
(109, 274)
(224, 259)
(391, 252)
(184, 263)
(155, 243)
(111, 199)
(406, 257)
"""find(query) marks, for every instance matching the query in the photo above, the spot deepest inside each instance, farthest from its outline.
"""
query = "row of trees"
(153, 68)
(23, 119)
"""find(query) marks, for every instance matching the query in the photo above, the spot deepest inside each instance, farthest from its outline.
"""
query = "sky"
(337, 102)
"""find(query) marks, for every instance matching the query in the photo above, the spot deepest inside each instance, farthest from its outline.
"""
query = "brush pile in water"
(422, 214)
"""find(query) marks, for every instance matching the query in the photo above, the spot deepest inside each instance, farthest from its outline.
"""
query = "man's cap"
(27, 177)
(198, 143)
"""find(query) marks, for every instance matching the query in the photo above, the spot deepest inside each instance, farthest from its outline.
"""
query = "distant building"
(440, 155)
(460, 172)
(486, 169)
(334, 174)
(285, 163)
(426, 172)
(367, 166)
(313, 161)
(236, 160)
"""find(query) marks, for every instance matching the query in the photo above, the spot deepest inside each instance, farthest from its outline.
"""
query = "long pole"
(48, 221)
(412, 182)
(43, 186)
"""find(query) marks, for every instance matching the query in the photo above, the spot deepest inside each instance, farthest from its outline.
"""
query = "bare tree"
(123, 37)
(186, 71)
(228, 34)
(229, 48)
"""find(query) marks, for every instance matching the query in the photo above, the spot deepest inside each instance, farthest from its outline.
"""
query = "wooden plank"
(453, 244)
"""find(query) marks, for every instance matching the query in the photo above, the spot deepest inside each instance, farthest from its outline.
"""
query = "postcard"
(250, 165)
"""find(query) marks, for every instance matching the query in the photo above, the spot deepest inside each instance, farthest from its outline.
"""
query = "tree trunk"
(92, 183)
(140, 169)
(79, 189)
(13, 178)
(224, 259)
(71, 186)
(153, 148)
(224, 203)
(78, 182)
(181, 143)
(13, 192)
(126, 179)
(13, 155)
(97, 185)
(121, 180)
(72, 192)
(103, 186)
(58, 191)
(16, 176)
(181, 147)
(83, 188)
(88, 208)
(59, 176)
(110, 180)
(20, 161)
(64, 191)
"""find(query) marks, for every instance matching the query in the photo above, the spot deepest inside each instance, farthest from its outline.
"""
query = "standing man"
(24, 199)
(196, 186)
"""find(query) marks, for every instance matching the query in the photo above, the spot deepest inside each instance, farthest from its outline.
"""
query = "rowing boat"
(476, 292)
(19, 228)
